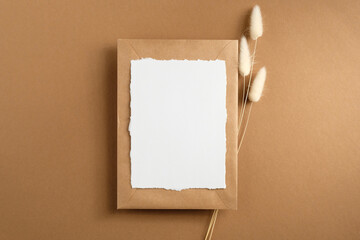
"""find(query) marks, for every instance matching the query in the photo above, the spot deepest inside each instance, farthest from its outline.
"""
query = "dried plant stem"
(242, 103)
(246, 124)
(212, 224)
(248, 89)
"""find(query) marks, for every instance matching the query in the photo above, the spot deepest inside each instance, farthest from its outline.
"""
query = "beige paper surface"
(298, 169)
(128, 197)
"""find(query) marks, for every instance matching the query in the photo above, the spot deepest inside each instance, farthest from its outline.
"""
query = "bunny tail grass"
(248, 88)
(244, 68)
(254, 96)
(256, 31)
(244, 58)
(256, 25)
(258, 85)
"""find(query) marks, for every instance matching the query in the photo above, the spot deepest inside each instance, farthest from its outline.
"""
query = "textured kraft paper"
(298, 168)
(129, 198)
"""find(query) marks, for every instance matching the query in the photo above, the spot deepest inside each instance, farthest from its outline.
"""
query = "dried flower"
(258, 85)
(244, 58)
(256, 26)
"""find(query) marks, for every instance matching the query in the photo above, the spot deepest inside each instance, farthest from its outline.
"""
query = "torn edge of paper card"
(146, 142)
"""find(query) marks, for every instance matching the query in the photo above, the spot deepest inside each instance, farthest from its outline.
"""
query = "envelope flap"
(180, 49)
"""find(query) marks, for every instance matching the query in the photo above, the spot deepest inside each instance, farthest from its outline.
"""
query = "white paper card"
(178, 122)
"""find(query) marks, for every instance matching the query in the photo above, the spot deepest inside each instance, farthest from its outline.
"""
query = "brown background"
(299, 168)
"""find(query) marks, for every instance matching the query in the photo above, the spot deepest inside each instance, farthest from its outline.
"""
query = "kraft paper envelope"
(129, 198)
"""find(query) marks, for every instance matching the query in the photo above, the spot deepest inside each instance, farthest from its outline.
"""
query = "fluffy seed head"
(258, 85)
(256, 26)
(244, 58)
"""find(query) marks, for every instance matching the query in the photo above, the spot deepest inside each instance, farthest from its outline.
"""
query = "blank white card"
(178, 123)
